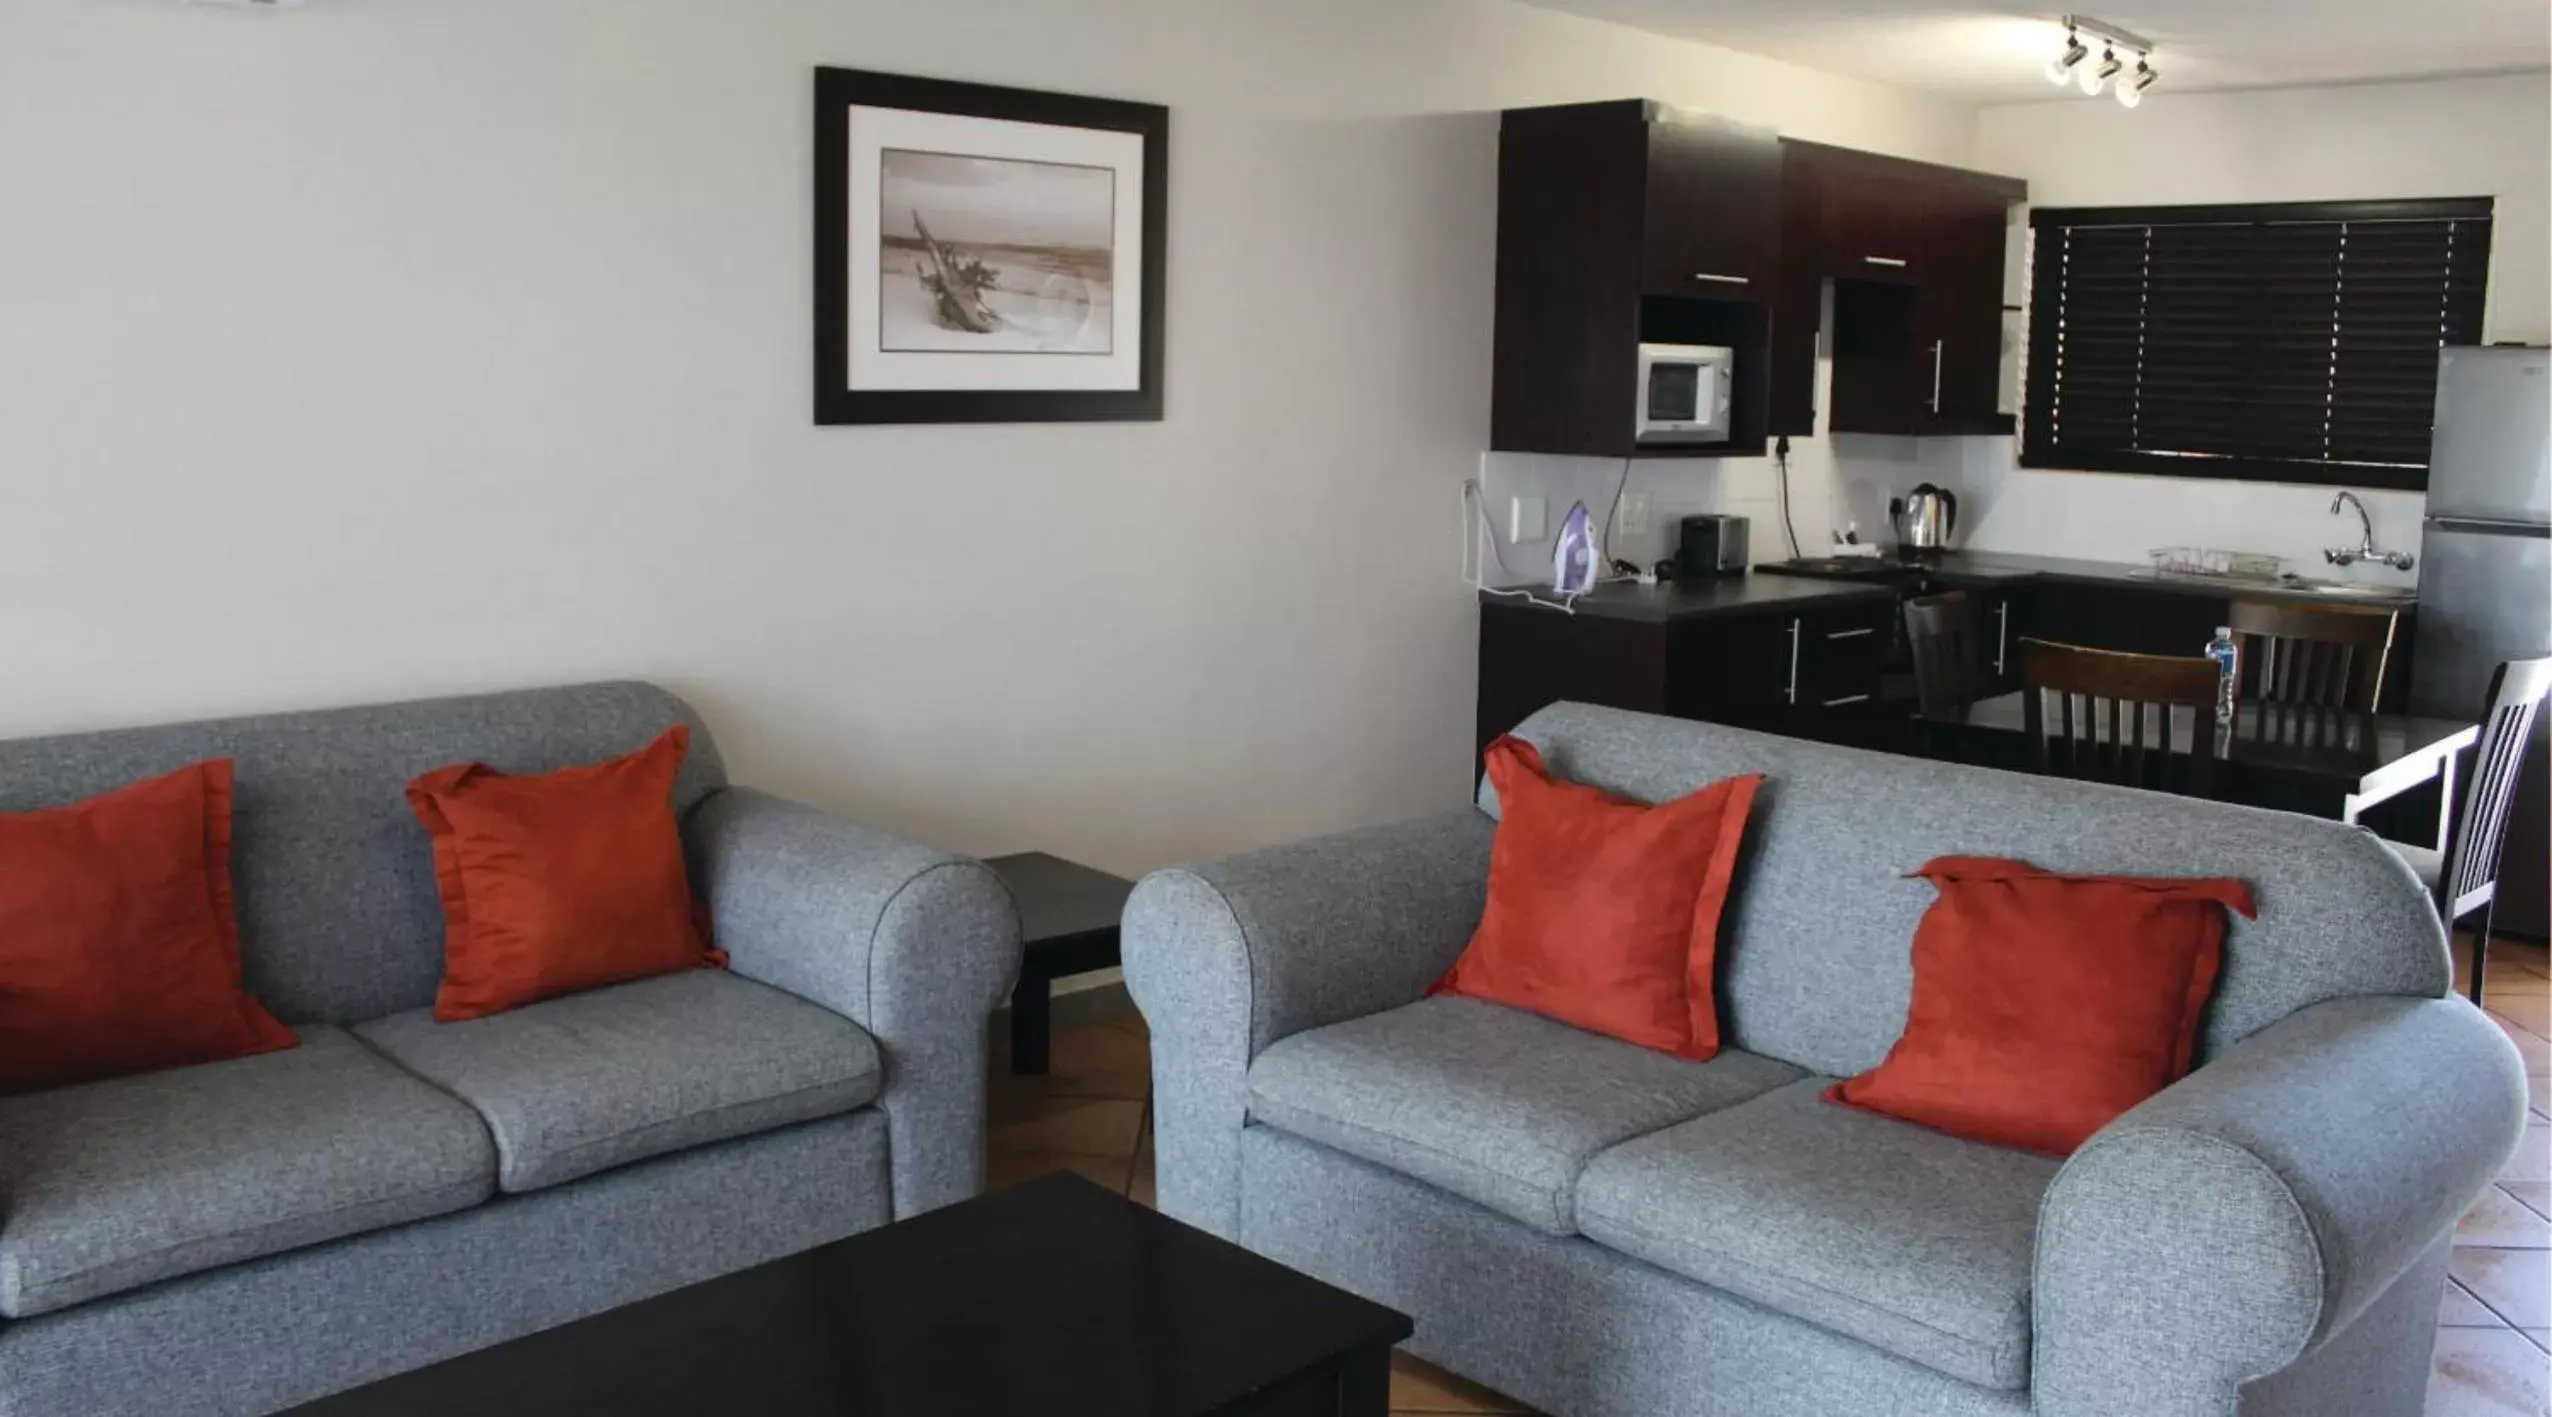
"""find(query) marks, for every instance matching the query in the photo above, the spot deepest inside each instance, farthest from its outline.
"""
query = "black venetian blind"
(2292, 342)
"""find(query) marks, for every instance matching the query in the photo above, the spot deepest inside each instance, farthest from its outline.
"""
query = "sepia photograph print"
(984, 254)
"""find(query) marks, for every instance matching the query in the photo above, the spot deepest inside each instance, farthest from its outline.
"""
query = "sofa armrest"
(913, 944)
(2224, 1227)
(1227, 957)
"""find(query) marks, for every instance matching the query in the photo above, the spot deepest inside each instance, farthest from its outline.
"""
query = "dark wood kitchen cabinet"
(1915, 254)
(1621, 223)
(1712, 220)
(1810, 669)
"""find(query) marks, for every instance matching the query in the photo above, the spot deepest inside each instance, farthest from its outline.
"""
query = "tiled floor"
(1087, 1115)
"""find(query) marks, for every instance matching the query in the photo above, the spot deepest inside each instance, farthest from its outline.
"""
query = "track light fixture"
(2072, 64)
(2131, 89)
(2060, 68)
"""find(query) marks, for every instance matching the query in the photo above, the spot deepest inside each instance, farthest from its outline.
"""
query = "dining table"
(2325, 761)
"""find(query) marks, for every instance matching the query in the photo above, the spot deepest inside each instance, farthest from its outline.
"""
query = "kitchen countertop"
(2004, 567)
(1671, 601)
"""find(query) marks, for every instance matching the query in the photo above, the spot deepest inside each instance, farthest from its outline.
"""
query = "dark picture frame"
(837, 92)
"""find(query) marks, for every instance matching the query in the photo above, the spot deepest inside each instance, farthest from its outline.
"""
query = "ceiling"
(1986, 54)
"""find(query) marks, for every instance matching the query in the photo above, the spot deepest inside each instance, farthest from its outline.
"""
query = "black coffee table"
(1056, 1296)
(1068, 917)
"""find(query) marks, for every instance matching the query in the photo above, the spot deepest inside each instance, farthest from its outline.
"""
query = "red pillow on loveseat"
(1604, 912)
(2046, 1004)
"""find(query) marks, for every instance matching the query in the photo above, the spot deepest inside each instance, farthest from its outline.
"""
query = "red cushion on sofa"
(558, 882)
(1604, 912)
(119, 949)
(2046, 1004)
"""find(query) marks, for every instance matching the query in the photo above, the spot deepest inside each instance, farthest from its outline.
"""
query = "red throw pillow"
(565, 881)
(2046, 1004)
(119, 952)
(1604, 912)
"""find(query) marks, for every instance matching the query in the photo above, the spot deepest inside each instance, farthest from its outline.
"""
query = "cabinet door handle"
(1846, 699)
(1936, 374)
(1895, 261)
(1720, 279)
(2002, 633)
(1849, 634)
(1791, 694)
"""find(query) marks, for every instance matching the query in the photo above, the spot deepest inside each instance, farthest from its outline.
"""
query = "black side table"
(1068, 917)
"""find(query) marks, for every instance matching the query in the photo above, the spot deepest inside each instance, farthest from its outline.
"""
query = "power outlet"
(1635, 514)
(1526, 519)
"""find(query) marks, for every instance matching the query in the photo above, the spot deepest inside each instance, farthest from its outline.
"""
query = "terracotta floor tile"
(2538, 1094)
(2500, 1220)
(1008, 1168)
(2532, 1012)
(2530, 1044)
(2513, 983)
(2456, 1308)
(1420, 1386)
(2516, 1284)
(1091, 1126)
(2533, 1161)
(2483, 1372)
(2532, 958)
(2536, 1194)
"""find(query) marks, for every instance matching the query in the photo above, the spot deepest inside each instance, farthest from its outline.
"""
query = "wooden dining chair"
(1940, 633)
(2123, 732)
(2463, 876)
(2320, 656)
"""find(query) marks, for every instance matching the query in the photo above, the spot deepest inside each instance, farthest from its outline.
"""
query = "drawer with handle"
(1836, 653)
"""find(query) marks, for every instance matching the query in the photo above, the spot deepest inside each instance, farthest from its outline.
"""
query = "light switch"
(1634, 514)
(1524, 519)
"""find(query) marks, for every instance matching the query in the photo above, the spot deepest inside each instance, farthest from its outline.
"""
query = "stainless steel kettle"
(1926, 519)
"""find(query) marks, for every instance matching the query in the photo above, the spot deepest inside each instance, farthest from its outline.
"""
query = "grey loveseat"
(238, 1237)
(1596, 1229)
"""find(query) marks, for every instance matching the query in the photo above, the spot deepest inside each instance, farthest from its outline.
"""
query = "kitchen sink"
(2290, 585)
(2341, 590)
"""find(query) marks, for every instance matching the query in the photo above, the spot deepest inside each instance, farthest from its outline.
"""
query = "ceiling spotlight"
(2097, 76)
(2060, 68)
(2131, 90)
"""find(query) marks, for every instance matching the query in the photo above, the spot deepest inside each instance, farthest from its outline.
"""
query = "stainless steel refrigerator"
(2485, 578)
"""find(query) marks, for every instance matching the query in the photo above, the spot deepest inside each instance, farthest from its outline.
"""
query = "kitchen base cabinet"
(1810, 672)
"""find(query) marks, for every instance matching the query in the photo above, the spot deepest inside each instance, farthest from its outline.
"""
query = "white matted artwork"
(984, 253)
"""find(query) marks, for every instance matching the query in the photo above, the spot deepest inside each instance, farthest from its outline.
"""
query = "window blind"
(2291, 342)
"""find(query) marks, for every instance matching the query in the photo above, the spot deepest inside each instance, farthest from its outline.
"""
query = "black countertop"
(1670, 601)
(1768, 589)
(1988, 568)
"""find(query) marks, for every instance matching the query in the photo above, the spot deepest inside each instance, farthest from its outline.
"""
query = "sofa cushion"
(575, 1085)
(1905, 1238)
(112, 1185)
(1495, 1105)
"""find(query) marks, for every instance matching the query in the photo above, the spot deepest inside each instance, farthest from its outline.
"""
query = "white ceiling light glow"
(2075, 64)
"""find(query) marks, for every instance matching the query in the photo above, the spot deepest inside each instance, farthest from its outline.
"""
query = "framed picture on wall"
(986, 255)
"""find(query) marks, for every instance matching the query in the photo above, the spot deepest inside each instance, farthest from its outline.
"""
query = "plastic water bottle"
(2228, 663)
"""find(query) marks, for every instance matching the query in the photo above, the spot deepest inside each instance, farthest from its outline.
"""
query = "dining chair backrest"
(2470, 877)
(1940, 630)
(2124, 731)
(2326, 656)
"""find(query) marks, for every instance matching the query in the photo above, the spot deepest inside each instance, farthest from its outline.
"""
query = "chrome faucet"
(2365, 549)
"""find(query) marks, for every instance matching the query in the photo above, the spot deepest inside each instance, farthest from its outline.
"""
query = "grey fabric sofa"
(241, 1236)
(1596, 1229)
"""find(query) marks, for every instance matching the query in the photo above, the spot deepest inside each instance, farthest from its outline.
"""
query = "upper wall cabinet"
(1622, 223)
(1914, 253)
(1712, 223)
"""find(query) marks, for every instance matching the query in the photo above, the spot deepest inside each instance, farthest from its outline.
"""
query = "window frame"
(2037, 384)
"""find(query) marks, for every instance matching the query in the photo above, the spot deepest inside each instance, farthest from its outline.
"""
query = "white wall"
(2446, 138)
(381, 348)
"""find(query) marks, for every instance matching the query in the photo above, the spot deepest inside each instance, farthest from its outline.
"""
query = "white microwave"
(1683, 392)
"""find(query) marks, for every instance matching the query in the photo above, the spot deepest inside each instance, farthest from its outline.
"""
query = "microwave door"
(1674, 392)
